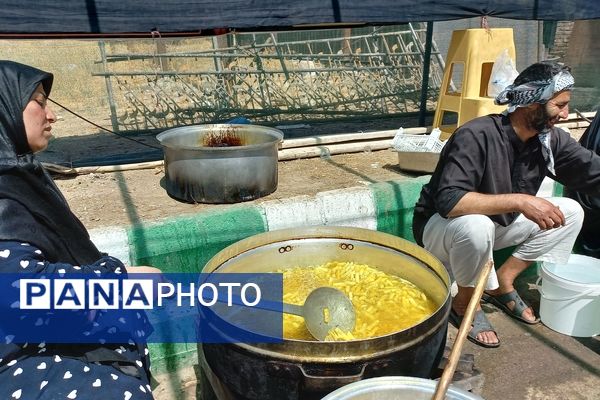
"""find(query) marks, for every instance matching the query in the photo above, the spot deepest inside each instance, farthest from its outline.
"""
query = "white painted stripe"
(292, 212)
(348, 207)
(344, 207)
(112, 240)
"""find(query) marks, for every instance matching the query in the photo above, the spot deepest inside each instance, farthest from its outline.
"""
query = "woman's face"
(38, 118)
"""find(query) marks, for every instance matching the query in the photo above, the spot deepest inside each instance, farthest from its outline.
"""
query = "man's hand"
(536, 209)
(542, 212)
(488, 204)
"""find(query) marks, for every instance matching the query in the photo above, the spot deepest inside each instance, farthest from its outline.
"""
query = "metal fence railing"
(270, 77)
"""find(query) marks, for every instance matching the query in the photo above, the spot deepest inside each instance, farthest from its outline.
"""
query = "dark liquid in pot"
(227, 139)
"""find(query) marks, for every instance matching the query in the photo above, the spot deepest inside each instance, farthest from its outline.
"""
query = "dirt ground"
(129, 197)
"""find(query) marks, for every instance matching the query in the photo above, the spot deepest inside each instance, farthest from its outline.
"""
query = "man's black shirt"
(486, 156)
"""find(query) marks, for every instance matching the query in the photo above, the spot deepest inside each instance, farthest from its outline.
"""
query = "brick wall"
(561, 41)
(582, 56)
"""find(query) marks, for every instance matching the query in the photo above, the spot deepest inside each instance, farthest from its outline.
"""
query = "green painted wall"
(394, 204)
(185, 245)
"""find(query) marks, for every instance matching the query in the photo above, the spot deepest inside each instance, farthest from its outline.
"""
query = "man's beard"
(539, 119)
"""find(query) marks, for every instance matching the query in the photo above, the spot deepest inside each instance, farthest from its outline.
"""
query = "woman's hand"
(145, 269)
(142, 269)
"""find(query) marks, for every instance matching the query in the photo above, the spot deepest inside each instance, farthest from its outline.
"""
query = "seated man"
(589, 237)
(481, 196)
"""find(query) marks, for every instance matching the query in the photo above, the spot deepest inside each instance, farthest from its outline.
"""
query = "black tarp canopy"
(119, 17)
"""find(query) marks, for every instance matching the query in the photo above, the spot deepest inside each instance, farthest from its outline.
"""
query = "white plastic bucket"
(570, 296)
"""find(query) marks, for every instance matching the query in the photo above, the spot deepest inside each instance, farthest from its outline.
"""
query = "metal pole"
(109, 90)
(540, 42)
(425, 82)
(217, 56)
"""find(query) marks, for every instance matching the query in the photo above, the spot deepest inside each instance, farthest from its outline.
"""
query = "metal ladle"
(325, 309)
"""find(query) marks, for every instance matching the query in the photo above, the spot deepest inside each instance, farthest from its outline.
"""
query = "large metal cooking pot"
(298, 369)
(224, 163)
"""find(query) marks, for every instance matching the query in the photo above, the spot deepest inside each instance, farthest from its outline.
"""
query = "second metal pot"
(224, 163)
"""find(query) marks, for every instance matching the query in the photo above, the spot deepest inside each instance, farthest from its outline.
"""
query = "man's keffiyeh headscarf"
(539, 89)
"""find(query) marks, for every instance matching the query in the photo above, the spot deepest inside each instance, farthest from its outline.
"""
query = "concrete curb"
(385, 206)
(112, 240)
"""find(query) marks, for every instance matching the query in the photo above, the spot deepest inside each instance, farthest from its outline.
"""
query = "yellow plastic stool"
(475, 50)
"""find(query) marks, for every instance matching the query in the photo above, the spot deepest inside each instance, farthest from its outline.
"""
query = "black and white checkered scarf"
(537, 92)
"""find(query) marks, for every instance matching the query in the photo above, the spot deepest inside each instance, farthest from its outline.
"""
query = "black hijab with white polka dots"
(32, 209)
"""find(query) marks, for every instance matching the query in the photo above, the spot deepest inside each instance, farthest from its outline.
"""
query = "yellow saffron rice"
(383, 303)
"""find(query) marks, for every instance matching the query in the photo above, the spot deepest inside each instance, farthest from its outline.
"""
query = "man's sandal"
(480, 324)
(502, 300)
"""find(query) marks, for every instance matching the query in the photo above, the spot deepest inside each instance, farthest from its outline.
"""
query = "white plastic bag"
(503, 74)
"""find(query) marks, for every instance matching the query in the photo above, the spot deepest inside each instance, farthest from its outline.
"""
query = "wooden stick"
(318, 151)
(100, 169)
(283, 155)
(300, 148)
(577, 115)
(573, 124)
(348, 137)
(465, 326)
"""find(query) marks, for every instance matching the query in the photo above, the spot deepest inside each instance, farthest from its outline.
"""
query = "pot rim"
(329, 232)
(275, 133)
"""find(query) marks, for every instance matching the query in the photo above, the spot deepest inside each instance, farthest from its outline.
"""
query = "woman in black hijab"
(40, 235)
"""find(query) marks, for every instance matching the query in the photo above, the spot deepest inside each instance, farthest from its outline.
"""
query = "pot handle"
(317, 381)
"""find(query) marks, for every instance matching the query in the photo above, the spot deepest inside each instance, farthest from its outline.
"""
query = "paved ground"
(534, 362)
